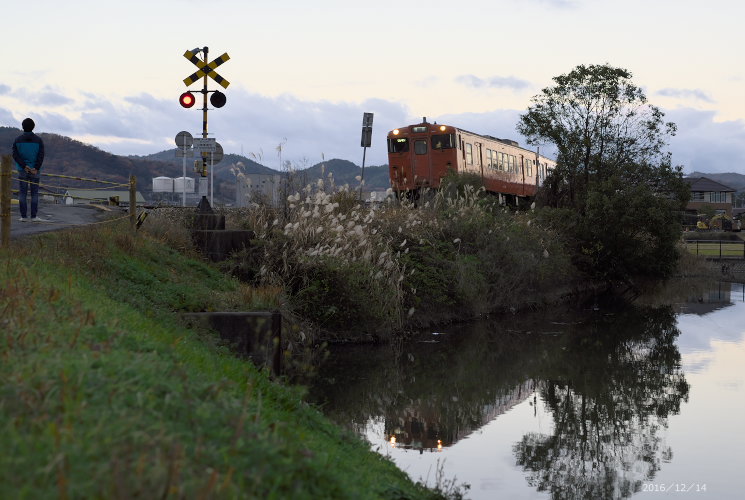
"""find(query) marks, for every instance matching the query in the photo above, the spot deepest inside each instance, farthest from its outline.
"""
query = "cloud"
(559, 4)
(705, 145)
(509, 82)
(7, 119)
(4, 89)
(686, 94)
(46, 97)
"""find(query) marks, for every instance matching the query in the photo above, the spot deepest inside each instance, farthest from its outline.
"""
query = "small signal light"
(218, 99)
(396, 132)
(187, 99)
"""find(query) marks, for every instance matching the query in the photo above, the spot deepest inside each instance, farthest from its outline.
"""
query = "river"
(603, 402)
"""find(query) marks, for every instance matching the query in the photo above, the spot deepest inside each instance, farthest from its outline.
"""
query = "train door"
(421, 160)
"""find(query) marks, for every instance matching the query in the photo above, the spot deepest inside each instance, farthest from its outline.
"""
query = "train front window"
(398, 145)
(443, 141)
(420, 147)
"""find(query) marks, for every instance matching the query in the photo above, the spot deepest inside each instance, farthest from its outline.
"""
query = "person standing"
(28, 153)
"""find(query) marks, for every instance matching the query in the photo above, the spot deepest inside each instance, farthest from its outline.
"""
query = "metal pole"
(183, 179)
(205, 51)
(212, 180)
(362, 175)
(5, 180)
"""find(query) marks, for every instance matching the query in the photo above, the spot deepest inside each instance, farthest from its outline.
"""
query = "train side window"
(501, 161)
(529, 168)
(420, 147)
(443, 141)
(469, 154)
(511, 163)
(398, 145)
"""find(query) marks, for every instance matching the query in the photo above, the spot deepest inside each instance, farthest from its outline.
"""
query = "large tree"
(612, 171)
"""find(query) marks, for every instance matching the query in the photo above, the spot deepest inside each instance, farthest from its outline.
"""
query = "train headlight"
(442, 128)
(396, 132)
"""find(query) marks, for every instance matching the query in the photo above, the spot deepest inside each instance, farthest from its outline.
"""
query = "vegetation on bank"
(105, 394)
(360, 272)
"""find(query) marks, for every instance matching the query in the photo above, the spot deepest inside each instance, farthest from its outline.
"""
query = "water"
(639, 402)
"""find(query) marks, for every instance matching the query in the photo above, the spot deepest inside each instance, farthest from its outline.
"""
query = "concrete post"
(133, 202)
(5, 180)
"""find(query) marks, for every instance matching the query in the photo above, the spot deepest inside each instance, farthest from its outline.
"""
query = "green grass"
(105, 394)
(715, 249)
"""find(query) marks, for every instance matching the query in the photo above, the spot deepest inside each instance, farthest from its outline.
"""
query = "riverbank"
(359, 273)
(106, 394)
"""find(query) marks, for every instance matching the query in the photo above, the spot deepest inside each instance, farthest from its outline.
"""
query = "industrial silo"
(162, 185)
(179, 183)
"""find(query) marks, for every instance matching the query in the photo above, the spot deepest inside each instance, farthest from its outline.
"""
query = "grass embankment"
(104, 394)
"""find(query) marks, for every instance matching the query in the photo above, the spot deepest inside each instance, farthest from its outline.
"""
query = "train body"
(420, 155)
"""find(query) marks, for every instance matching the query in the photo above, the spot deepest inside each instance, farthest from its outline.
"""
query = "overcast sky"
(302, 73)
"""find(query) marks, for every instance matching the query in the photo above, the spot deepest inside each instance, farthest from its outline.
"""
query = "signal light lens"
(218, 99)
(396, 132)
(187, 99)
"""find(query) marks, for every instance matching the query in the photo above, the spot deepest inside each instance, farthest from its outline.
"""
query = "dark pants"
(25, 179)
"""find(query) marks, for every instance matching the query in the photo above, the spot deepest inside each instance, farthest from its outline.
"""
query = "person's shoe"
(37, 219)
(23, 219)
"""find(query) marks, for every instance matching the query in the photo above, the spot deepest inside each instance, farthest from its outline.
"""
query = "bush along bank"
(104, 394)
(363, 272)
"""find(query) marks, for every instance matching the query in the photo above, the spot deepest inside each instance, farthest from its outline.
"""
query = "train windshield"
(443, 141)
(398, 145)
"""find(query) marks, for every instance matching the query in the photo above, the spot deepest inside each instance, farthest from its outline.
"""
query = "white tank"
(162, 185)
(180, 182)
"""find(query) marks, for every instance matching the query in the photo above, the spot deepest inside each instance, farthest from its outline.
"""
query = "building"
(705, 191)
(84, 196)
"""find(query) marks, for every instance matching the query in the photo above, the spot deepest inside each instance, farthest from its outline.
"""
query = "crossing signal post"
(217, 99)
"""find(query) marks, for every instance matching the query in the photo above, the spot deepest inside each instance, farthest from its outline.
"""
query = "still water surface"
(640, 402)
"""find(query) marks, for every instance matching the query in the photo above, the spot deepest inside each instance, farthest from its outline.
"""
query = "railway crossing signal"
(187, 100)
(210, 68)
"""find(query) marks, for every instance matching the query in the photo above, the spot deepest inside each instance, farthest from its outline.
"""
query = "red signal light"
(187, 99)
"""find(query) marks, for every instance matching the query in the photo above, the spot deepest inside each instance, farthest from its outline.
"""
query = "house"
(706, 192)
(83, 196)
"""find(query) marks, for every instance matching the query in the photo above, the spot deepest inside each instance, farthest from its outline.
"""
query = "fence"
(717, 249)
(6, 179)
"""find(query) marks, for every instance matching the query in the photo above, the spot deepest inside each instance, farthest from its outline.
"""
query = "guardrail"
(716, 249)
(6, 179)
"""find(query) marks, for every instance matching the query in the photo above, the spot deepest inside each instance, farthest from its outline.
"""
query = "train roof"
(432, 128)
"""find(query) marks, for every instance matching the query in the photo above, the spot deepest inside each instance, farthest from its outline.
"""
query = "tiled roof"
(705, 184)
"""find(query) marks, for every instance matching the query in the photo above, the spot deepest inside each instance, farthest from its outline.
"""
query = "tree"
(612, 171)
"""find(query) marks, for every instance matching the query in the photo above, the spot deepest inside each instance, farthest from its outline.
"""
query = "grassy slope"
(105, 394)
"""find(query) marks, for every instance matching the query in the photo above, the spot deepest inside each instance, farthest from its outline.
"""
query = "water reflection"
(609, 381)
(609, 395)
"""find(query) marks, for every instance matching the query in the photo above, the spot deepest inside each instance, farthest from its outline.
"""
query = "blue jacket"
(28, 149)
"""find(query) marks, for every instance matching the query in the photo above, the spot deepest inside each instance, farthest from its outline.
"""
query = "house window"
(697, 196)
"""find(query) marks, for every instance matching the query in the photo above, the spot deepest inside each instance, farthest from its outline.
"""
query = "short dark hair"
(28, 125)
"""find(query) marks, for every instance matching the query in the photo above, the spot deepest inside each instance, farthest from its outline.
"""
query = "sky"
(303, 73)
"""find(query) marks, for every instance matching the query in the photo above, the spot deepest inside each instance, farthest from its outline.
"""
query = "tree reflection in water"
(610, 390)
(609, 380)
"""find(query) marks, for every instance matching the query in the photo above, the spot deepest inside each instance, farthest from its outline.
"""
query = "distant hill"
(70, 157)
(733, 180)
(73, 158)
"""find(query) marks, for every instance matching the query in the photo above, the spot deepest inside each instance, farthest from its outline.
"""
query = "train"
(421, 155)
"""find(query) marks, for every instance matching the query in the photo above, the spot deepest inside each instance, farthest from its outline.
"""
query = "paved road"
(57, 217)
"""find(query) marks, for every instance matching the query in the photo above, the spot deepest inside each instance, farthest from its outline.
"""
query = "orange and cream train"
(420, 155)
